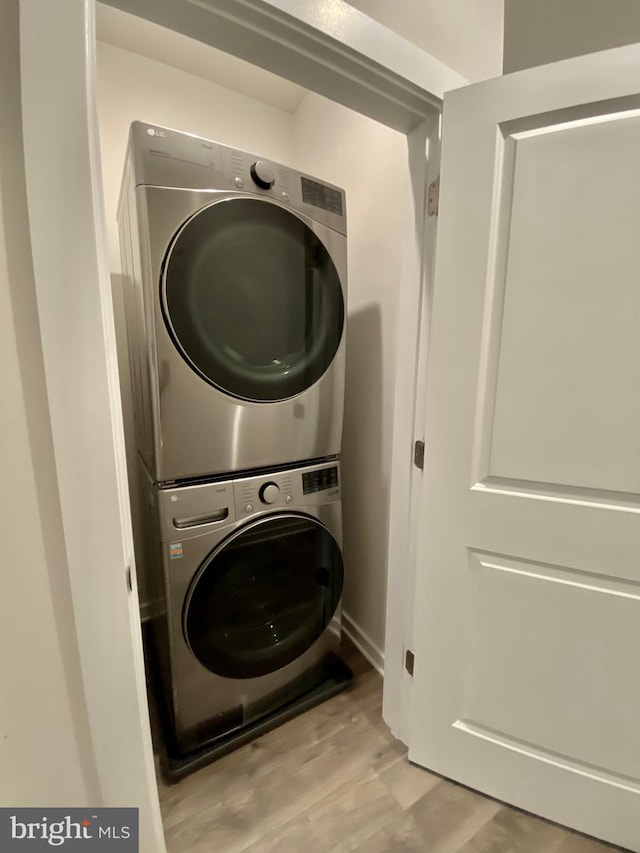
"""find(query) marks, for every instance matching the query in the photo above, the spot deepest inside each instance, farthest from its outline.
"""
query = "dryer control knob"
(263, 174)
(269, 493)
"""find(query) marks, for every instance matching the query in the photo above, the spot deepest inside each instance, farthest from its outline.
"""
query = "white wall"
(46, 757)
(464, 34)
(549, 30)
(132, 87)
(369, 161)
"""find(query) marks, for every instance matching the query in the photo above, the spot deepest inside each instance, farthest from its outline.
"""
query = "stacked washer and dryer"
(235, 275)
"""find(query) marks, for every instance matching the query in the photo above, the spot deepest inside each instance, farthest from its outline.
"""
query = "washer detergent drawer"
(194, 510)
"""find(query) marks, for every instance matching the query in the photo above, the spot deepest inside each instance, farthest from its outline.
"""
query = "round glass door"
(263, 597)
(253, 300)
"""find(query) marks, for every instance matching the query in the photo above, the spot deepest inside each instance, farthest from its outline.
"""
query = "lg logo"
(153, 132)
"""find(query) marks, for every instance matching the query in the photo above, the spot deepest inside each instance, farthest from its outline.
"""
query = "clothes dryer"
(235, 272)
(250, 589)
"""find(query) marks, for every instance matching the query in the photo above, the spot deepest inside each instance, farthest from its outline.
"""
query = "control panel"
(321, 195)
(188, 511)
(284, 489)
(168, 158)
(319, 481)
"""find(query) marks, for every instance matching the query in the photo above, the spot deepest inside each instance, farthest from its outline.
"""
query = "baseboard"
(363, 642)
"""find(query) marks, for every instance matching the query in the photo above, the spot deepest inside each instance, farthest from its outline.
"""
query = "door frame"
(346, 57)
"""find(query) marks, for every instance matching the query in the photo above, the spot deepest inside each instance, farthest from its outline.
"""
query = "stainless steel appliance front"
(249, 593)
(235, 308)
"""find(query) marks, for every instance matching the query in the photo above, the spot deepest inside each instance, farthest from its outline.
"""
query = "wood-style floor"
(334, 779)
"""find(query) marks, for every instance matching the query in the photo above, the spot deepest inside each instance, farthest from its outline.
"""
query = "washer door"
(264, 596)
(252, 299)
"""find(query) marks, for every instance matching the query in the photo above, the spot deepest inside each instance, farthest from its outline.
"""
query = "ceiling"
(155, 42)
(464, 34)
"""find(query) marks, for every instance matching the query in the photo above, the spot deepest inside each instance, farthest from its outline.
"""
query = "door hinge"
(433, 197)
(129, 582)
(409, 659)
(418, 454)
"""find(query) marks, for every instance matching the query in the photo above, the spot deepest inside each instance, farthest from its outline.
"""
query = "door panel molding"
(563, 762)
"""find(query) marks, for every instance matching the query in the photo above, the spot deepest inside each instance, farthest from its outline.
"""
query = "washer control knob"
(263, 174)
(269, 493)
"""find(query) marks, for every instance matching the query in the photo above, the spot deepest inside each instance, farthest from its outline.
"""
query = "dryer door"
(264, 596)
(252, 299)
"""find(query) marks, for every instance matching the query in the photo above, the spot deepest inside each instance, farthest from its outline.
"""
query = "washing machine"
(250, 600)
(235, 274)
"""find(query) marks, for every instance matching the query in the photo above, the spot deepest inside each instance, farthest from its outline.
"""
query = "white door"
(527, 658)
